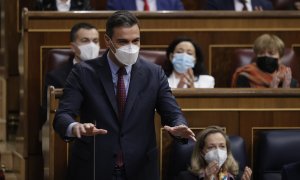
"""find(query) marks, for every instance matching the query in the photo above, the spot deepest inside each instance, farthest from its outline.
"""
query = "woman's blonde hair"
(198, 162)
(268, 42)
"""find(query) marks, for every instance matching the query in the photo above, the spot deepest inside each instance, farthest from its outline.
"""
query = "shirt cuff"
(69, 129)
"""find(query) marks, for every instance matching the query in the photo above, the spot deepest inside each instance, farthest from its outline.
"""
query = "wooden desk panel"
(42, 29)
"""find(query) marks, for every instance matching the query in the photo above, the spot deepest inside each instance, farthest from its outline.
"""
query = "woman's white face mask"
(127, 54)
(218, 155)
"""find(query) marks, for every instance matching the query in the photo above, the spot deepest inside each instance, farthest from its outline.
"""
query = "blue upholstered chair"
(291, 171)
(274, 149)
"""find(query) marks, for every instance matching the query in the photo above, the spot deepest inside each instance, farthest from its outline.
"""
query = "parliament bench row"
(240, 57)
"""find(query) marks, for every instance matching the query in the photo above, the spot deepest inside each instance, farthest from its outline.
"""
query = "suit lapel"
(136, 84)
(106, 80)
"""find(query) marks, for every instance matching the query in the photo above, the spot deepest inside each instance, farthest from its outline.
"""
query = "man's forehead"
(132, 32)
(85, 33)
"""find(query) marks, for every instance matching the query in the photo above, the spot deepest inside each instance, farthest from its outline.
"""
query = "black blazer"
(89, 92)
(50, 5)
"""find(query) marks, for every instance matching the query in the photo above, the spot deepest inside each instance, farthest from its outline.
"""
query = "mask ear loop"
(110, 41)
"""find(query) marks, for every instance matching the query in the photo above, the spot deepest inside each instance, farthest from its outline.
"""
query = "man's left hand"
(181, 131)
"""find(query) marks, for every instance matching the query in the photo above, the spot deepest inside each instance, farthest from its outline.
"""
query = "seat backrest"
(58, 149)
(180, 155)
(291, 171)
(273, 149)
(55, 58)
(282, 4)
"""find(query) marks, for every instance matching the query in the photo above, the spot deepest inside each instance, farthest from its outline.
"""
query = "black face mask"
(267, 64)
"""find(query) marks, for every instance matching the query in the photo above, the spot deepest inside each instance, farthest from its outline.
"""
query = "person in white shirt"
(186, 69)
(63, 5)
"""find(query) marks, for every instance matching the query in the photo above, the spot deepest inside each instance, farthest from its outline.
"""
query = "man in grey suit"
(116, 96)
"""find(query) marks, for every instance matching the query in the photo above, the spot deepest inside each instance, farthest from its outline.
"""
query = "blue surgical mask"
(182, 62)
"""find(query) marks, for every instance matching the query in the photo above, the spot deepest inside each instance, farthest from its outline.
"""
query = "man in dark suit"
(154, 5)
(85, 45)
(63, 5)
(237, 5)
(116, 97)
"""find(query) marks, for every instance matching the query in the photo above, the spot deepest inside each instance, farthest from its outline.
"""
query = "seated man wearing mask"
(268, 70)
(85, 45)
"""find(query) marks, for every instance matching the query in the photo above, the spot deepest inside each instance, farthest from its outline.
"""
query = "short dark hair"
(79, 26)
(199, 66)
(120, 19)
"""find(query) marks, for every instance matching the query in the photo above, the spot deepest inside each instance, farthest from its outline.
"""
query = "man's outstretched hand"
(86, 129)
(181, 131)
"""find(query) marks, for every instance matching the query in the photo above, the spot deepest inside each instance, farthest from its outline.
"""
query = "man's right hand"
(86, 129)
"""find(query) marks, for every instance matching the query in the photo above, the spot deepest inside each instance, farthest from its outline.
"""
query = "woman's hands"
(211, 171)
(187, 79)
(285, 78)
(247, 174)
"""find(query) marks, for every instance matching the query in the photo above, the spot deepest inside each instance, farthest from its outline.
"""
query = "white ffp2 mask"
(89, 51)
(127, 54)
(217, 155)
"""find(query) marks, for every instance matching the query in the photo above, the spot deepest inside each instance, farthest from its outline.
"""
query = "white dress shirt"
(203, 81)
(239, 6)
(63, 6)
(151, 3)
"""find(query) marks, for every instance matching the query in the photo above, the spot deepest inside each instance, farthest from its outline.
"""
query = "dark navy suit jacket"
(131, 5)
(229, 4)
(89, 92)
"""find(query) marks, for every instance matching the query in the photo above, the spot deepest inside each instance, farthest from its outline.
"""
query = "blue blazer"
(229, 4)
(131, 5)
(89, 92)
